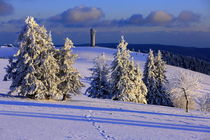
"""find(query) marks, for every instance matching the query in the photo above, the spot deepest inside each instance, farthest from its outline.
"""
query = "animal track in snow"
(89, 116)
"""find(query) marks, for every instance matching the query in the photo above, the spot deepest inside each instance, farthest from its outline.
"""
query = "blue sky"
(112, 8)
(176, 22)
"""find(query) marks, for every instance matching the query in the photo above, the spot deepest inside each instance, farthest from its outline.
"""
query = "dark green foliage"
(187, 62)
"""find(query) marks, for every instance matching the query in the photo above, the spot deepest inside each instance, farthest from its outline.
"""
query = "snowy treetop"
(30, 21)
(123, 44)
(68, 44)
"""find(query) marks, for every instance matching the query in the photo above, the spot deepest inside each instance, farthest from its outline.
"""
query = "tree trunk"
(187, 102)
(64, 97)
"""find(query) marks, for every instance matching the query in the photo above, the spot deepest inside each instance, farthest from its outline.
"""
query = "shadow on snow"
(109, 121)
(18, 103)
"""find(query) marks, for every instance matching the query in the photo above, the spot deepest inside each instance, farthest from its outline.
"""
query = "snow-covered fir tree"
(127, 84)
(162, 96)
(139, 89)
(99, 86)
(70, 83)
(10, 69)
(33, 71)
(155, 80)
(149, 78)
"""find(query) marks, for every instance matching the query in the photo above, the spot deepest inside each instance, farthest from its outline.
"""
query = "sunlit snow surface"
(94, 119)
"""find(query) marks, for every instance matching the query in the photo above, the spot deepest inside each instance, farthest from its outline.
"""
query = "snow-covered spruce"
(35, 70)
(155, 80)
(99, 86)
(69, 77)
(163, 97)
(149, 77)
(10, 69)
(127, 84)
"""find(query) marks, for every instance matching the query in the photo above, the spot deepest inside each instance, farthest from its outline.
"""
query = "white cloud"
(159, 17)
(79, 15)
(188, 16)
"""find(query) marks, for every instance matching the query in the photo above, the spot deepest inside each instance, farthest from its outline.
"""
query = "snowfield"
(85, 118)
(6, 52)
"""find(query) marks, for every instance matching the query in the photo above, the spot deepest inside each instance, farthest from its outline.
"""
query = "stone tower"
(92, 37)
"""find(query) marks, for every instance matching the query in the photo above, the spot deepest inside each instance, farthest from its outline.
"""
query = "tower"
(92, 37)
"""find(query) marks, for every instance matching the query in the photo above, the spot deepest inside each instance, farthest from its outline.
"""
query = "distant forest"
(196, 59)
(187, 62)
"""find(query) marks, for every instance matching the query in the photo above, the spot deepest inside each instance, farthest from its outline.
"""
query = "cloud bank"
(159, 18)
(5, 8)
(78, 16)
(94, 17)
(91, 16)
(85, 17)
(188, 17)
(162, 18)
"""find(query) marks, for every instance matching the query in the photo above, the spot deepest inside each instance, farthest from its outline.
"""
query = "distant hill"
(201, 53)
(196, 59)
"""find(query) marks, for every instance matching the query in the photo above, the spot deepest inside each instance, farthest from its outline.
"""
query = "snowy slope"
(6, 52)
(93, 119)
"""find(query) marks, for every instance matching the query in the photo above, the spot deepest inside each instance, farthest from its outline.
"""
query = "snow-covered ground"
(85, 118)
(6, 52)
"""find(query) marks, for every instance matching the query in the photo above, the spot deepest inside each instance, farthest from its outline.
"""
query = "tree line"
(40, 71)
(124, 81)
(187, 62)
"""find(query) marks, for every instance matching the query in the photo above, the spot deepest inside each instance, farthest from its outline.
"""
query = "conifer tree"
(99, 86)
(121, 60)
(160, 69)
(139, 89)
(126, 78)
(10, 73)
(70, 83)
(155, 80)
(33, 71)
(162, 97)
(149, 78)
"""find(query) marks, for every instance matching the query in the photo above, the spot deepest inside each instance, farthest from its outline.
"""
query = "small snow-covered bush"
(183, 88)
(204, 103)
(180, 102)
